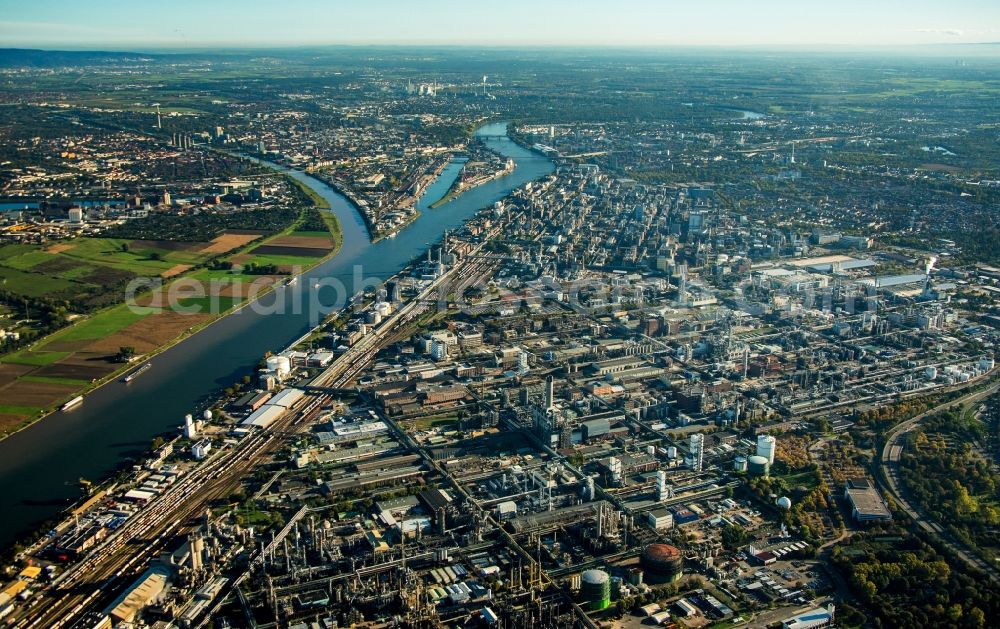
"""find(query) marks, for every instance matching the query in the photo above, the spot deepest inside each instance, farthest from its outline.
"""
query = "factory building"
(660, 519)
(144, 592)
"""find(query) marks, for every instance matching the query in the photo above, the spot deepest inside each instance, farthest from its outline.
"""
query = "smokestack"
(549, 391)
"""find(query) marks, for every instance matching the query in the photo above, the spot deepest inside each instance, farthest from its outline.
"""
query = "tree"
(158, 443)
(977, 618)
(733, 536)
(125, 247)
(125, 353)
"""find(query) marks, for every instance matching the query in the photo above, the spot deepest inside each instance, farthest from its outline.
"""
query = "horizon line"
(496, 45)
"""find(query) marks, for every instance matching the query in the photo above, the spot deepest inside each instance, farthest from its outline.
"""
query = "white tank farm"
(384, 308)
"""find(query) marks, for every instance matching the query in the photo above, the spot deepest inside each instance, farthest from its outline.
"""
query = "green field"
(38, 358)
(73, 382)
(101, 325)
(87, 268)
(439, 421)
(302, 261)
(32, 284)
(18, 410)
(140, 260)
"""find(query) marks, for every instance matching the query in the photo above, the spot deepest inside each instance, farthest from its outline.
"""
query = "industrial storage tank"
(758, 465)
(740, 464)
(207, 415)
(784, 502)
(373, 317)
(595, 589)
(930, 373)
(281, 365)
(766, 446)
(384, 308)
(662, 562)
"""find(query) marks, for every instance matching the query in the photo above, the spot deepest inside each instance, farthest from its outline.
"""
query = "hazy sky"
(146, 24)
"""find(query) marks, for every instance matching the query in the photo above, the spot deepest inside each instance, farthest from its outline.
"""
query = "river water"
(40, 466)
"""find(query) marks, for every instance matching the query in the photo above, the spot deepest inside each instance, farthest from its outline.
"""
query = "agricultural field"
(92, 272)
(46, 374)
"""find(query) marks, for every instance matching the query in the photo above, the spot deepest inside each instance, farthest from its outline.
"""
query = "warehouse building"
(866, 503)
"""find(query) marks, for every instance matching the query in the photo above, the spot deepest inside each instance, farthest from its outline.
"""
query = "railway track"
(96, 580)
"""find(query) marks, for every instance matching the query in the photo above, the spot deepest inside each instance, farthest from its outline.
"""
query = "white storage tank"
(672, 452)
(75, 215)
(281, 365)
(740, 464)
(207, 415)
(930, 373)
(384, 308)
(766, 446)
(986, 363)
(373, 317)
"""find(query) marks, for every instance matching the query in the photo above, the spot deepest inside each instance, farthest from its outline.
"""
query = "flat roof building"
(866, 503)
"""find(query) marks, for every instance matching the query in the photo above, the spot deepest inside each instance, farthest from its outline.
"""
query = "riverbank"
(40, 466)
(461, 187)
(119, 318)
(426, 181)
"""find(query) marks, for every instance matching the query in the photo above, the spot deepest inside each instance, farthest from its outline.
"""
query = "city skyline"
(185, 24)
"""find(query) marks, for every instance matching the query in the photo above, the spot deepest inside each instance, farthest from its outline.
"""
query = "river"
(40, 466)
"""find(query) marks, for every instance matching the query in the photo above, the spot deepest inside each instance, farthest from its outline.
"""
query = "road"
(889, 481)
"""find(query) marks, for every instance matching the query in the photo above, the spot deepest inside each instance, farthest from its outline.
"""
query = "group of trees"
(951, 480)
(204, 226)
(905, 583)
(254, 268)
(312, 221)
(45, 314)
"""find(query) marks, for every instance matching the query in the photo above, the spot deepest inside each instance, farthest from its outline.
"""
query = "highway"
(889, 480)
